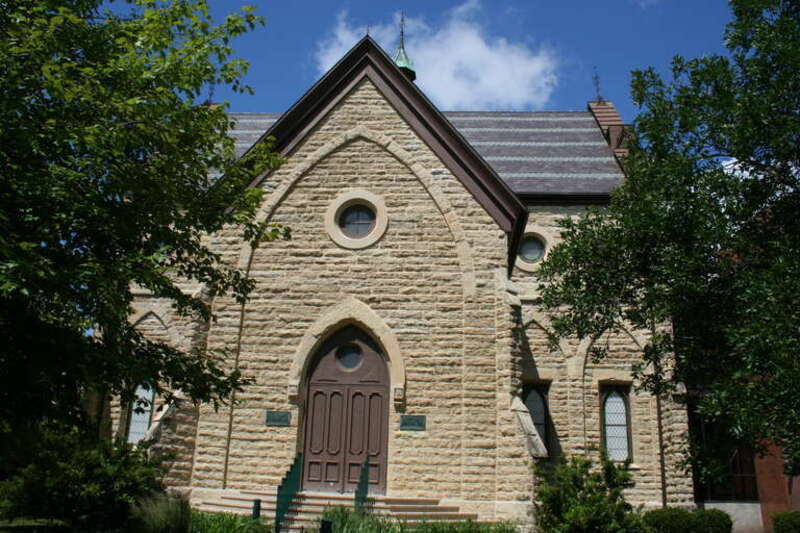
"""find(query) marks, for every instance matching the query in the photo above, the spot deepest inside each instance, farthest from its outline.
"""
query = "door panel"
(335, 415)
(347, 415)
(357, 423)
(375, 426)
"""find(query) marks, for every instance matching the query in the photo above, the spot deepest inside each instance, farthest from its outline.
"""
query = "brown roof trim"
(367, 59)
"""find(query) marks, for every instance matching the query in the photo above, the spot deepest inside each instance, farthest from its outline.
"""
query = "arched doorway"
(347, 414)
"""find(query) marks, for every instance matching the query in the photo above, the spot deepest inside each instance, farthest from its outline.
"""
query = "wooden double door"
(347, 415)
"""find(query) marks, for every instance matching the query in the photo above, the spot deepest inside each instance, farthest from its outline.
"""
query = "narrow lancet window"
(537, 406)
(616, 430)
(140, 414)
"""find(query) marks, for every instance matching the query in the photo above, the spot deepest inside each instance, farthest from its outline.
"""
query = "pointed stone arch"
(160, 312)
(540, 320)
(423, 175)
(349, 312)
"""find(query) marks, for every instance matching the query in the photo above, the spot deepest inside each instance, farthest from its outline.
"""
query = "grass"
(33, 525)
(164, 514)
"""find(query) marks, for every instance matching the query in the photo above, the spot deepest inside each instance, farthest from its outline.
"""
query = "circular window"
(349, 356)
(531, 249)
(357, 221)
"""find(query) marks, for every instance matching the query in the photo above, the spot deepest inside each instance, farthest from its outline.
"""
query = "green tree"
(701, 244)
(108, 152)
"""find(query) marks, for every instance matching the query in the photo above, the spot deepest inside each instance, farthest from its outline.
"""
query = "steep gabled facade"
(398, 327)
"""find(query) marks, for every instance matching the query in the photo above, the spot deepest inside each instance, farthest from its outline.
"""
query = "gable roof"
(367, 60)
(542, 156)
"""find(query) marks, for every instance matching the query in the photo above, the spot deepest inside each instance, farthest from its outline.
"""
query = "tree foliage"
(701, 244)
(108, 157)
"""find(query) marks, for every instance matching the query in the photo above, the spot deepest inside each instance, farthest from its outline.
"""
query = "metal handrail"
(287, 491)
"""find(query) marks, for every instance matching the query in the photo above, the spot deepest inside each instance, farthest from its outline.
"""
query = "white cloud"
(459, 65)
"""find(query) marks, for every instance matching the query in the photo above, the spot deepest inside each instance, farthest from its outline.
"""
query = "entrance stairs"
(307, 508)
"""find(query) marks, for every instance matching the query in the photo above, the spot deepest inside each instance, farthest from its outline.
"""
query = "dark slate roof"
(535, 153)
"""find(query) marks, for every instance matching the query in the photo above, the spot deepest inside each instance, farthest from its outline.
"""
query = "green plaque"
(412, 422)
(279, 418)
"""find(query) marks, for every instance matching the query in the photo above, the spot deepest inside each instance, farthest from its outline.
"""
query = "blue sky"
(480, 54)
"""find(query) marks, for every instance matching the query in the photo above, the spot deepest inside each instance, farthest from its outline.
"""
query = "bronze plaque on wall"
(279, 418)
(413, 422)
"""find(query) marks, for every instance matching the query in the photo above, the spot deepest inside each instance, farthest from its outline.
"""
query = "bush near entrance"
(786, 522)
(676, 520)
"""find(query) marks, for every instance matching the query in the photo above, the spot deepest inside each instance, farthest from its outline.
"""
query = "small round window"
(357, 221)
(349, 356)
(531, 249)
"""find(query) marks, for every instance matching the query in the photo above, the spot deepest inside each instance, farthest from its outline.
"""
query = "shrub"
(161, 514)
(786, 522)
(464, 527)
(348, 521)
(572, 497)
(713, 521)
(87, 483)
(203, 522)
(677, 520)
(670, 520)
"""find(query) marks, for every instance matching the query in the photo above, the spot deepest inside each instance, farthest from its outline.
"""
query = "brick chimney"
(614, 130)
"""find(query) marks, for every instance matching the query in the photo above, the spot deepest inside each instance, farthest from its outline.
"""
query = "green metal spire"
(401, 58)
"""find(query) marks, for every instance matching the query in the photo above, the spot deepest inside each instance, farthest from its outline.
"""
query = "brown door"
(347, 415)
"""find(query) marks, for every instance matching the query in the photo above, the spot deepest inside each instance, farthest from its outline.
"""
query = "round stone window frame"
(547, 240)
(348, 199)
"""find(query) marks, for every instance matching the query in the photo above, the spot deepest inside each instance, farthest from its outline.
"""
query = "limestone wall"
(432, 279)
(575, 384)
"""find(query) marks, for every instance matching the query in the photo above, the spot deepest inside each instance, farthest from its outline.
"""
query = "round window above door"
(349, 356)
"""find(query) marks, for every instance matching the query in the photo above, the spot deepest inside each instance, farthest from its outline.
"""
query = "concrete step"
(394, 508)
(249, 498)
(308, 507)
(233, 504)
(214, 507)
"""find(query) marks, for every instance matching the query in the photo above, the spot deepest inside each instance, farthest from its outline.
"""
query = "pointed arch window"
(616, 424)
(141, 413)
(536, 402)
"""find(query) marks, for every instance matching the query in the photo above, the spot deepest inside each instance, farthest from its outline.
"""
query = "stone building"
(398, 327)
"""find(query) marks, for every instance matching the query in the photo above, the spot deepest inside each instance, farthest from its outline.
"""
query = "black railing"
(361, 502)
(287, 491)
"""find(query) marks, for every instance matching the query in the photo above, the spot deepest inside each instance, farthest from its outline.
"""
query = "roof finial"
(401, 58)
(596, 80)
